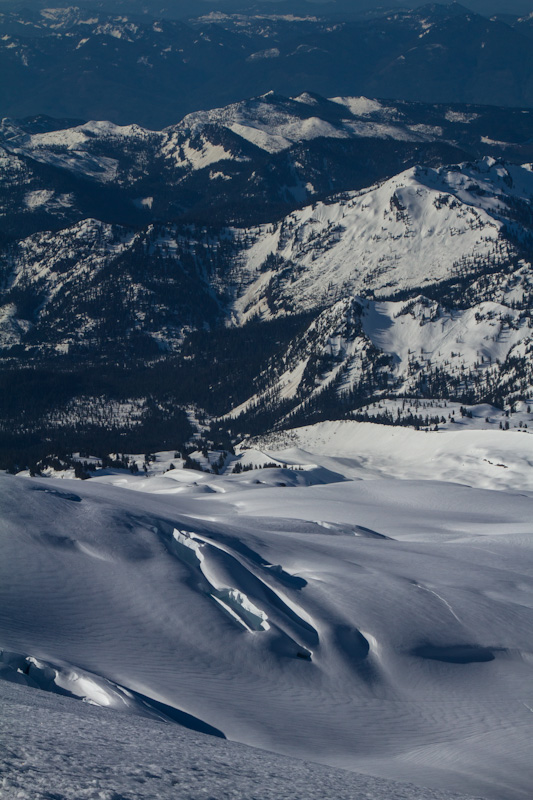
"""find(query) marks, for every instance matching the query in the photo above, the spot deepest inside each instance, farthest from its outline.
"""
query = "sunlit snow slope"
(383, 626)
(419, 228)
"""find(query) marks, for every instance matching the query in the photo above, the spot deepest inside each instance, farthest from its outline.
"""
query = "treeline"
(416, 421)
(24, 449)
(215, 370)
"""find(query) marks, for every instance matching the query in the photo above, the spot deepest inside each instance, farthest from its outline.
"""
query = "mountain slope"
(422, 229)
(418, 285)
(391, 237)
(447, 234)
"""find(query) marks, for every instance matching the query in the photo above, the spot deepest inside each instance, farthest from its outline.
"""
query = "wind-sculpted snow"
(221, 570)
(238, 605)
(71, 751)
(97, 691)
(381, 626)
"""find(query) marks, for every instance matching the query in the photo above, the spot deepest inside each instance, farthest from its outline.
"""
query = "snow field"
(99, 755)
(381, 626)
(488, 459)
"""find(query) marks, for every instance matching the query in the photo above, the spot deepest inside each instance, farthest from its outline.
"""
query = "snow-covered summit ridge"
(274, 123)
(418, 228)
(271, 122)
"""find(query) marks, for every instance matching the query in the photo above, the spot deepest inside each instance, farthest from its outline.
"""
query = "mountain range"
(274, 262)
(246, 163)
(78, 63)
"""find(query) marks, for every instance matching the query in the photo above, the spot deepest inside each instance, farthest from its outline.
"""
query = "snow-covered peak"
(61, 18)
(78, 149)
(73, 138)
(418, 228)
(363, 106)
(274, 123)
(260, 122)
